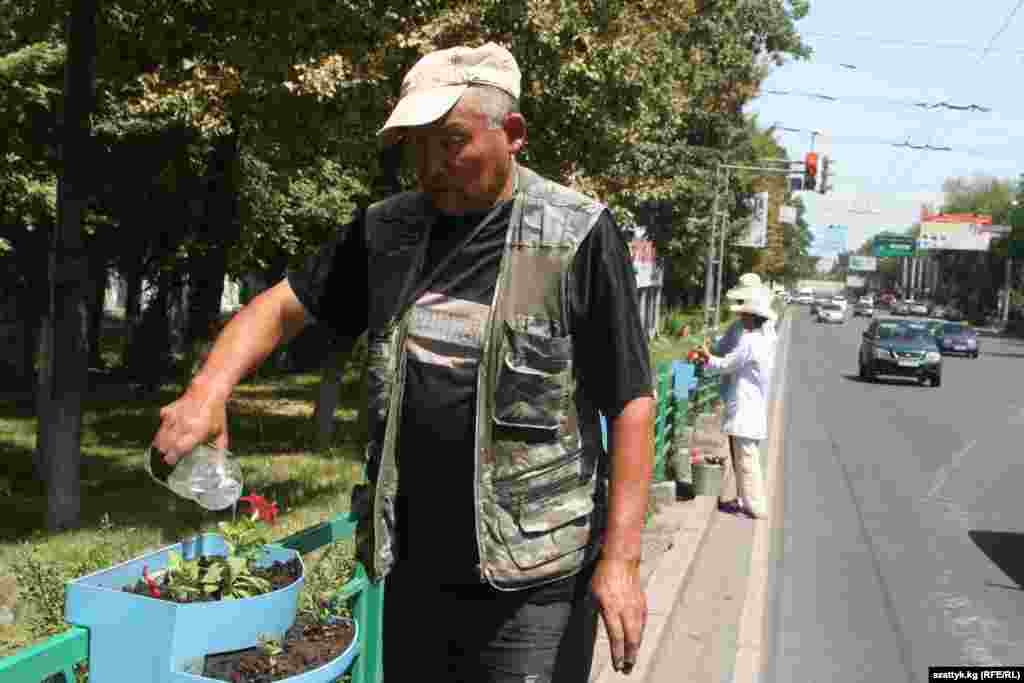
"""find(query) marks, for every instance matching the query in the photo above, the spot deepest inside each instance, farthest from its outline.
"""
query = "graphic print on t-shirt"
(446, 331)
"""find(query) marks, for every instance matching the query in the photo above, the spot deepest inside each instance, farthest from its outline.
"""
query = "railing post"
(369, 611)
(662, 426)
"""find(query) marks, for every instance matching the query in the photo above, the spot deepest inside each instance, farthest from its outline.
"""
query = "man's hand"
(199, 415)
(623, 604)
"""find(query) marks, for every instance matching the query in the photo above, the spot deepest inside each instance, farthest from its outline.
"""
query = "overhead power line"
(903, 144)
(1002, 29)
(871, 98)
(900, 42)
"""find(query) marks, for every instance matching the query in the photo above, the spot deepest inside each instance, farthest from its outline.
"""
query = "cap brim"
(419, 109)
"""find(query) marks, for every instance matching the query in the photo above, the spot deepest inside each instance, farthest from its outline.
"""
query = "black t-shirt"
(436, 450)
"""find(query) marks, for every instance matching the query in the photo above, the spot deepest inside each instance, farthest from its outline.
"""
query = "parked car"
(900, 308)
(831, 313)
(840, 301)
(957, 338)
(938, 312)
(864, 307)
(916, 307)
(891, 346)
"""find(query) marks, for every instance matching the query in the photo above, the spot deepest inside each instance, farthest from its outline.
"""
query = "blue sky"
(879, 187)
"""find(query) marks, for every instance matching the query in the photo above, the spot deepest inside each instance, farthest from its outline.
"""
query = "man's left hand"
(623, 604)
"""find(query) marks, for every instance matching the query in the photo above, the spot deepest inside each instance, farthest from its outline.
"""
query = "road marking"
(943, 474)
(750, 639)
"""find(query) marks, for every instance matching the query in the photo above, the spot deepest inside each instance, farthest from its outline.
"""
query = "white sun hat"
(436, 82)
(749, 287)
(759, 305)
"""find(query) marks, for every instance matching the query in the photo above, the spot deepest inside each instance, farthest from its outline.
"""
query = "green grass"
(125, 513)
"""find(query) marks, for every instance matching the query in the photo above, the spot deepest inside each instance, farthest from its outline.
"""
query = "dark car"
(893, 346)
(957, 338)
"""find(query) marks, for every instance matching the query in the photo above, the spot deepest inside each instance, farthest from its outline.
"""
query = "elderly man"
(501, 316)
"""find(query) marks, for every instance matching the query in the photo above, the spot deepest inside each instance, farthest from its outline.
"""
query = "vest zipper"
(483, 372)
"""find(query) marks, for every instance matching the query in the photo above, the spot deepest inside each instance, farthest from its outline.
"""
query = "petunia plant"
(225, 577)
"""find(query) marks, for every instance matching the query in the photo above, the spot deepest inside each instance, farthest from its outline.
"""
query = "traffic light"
(824, 187)
(810, 171)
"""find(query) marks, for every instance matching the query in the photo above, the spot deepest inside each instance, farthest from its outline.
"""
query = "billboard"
(894, 245)
(756, 234)
(829, 240)
(956, 231)
(867, 264)
(645, 264)
(855, 281)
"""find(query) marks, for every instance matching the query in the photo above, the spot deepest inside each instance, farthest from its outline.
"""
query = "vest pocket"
(541, 529)
(532, 388)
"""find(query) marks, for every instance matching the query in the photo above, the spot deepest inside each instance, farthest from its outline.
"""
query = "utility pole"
(715, 258)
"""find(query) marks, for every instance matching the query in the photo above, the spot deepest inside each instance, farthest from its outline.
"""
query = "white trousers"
(743, 479)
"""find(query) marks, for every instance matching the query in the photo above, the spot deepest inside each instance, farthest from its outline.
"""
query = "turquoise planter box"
(324, 674)
(133, 638)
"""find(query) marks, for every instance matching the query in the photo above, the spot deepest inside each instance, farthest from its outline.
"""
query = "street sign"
(864, 263)
(894, 245)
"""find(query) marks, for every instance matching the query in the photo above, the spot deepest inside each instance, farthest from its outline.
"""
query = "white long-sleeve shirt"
(749, 367)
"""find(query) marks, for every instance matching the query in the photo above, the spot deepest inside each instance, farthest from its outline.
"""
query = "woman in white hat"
(745, 419)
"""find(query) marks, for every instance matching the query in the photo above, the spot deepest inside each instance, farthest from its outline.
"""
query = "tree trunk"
(96, 305)
(148, 355)
(29, 347)
(206, 288)
(66, 369)
(327, 397)
(220, 230)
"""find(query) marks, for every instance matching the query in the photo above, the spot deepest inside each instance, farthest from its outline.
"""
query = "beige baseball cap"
(437, 81)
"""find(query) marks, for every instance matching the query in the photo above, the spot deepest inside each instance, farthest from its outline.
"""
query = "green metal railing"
(65, 652)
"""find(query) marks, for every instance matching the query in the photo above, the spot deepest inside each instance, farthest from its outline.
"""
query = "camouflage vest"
(540, 467)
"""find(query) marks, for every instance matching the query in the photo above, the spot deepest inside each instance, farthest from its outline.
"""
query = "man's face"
(462, 163)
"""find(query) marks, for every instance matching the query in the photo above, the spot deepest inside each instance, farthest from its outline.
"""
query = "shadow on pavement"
(1001, 354)
(889, 381)
(1004, 549)
(986, 334)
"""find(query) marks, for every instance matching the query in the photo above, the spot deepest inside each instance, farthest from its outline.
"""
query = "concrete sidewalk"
(680, 528)
(675, 537)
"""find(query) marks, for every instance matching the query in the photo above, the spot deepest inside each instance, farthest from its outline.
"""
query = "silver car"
(831, 313)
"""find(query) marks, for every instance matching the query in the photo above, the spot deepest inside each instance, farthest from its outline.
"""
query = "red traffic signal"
(810, 171)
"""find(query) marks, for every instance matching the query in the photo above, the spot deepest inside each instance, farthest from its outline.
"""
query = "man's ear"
(515, 131)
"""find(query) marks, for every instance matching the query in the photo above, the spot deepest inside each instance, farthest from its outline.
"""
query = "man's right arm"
(273, 318)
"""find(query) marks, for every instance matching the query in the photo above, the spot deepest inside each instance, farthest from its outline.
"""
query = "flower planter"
(138, 638)
(707, 479)
(682, 470)
(325, 673)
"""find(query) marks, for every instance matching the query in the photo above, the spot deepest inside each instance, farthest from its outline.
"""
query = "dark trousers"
(474, 634)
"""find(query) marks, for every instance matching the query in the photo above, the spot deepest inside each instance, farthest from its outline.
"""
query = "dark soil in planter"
(308, 645)
(279, 574)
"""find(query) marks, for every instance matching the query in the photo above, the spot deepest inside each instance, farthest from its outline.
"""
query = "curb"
(663, 587)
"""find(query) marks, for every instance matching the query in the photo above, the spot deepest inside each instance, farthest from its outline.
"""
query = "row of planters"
(216, 607)
(692, 461)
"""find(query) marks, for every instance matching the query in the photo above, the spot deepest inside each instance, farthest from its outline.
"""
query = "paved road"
(902, 540)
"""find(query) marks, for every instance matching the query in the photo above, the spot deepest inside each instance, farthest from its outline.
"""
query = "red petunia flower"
(154, 589)
(261, 507)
